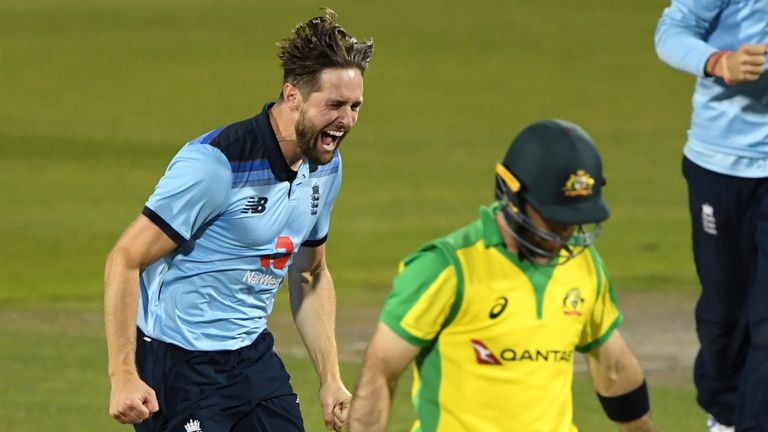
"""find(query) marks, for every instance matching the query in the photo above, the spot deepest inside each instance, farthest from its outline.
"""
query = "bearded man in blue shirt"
(190, 283)
(723, 43)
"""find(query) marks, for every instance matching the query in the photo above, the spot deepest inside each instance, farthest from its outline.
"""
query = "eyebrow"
(338, 101)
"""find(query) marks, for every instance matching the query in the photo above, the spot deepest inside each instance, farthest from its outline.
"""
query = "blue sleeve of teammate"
(320, 231)
(191, 192)
(682, 32)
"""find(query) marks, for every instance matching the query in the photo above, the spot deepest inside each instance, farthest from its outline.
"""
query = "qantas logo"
(485, 356)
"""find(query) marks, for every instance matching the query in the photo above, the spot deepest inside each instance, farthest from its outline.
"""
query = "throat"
(296, 165)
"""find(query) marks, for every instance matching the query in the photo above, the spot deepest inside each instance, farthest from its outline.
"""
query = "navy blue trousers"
(245, 390)
(729, 221)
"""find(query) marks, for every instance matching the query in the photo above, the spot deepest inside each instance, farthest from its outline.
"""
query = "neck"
(283, 121)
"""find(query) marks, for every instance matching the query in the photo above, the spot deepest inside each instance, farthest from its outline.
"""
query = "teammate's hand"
(131, 401)
(335, 399)
(745, 64)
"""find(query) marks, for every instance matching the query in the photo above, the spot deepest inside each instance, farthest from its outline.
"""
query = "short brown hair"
(318, 44)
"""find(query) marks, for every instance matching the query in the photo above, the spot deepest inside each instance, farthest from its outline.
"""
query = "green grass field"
(97, 97)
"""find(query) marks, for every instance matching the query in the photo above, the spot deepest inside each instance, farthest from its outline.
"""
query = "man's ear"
(292, 97)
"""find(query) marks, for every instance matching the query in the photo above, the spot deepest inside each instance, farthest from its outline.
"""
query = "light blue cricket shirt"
(729, 124)
(238, 214)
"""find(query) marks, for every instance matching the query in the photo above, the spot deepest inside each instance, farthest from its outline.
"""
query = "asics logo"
(498, 307)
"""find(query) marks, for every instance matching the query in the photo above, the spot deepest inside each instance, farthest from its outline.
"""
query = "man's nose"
(348, 116)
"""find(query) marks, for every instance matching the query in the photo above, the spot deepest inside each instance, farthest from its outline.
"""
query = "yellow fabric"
(494, 368)
(423, 320)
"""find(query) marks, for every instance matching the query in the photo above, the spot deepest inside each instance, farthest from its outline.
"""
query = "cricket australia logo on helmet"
(193, 426)
(579, 183)
(573, 302)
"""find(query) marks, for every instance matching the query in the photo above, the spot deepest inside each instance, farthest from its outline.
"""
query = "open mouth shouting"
(317, 143)
(329, 139)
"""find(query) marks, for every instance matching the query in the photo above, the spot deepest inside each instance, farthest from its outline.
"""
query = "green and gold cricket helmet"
(555, 166)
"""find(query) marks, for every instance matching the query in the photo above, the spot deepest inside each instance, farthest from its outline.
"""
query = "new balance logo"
(193, 426)
(255, 205)
(483, 354)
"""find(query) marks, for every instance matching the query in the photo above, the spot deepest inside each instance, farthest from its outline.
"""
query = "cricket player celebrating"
(238, 210)
(493, 313)
(724, 43)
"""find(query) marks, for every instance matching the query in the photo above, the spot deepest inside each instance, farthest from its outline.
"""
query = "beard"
(539, 245)
(308, 140)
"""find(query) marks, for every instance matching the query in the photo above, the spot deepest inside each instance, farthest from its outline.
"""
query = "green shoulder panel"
(459, 239)
(602, 272)
(598, 263)
(447, 248)
(417, 274)
(599, 341)
(420, 270)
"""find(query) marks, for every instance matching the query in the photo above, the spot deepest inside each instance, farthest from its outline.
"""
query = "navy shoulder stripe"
(239, 142)
(251, 143)
(163, 225)
(315, 243)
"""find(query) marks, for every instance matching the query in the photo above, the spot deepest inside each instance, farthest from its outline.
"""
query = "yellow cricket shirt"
(498, 334)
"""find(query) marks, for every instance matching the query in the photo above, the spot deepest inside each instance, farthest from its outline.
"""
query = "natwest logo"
(259, 278)
(483, 354)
